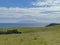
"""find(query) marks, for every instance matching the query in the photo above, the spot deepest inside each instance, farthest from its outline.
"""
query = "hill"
(32, 36)
(53, 24)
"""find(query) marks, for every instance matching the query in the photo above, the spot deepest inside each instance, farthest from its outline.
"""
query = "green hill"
(53, 24)
(31, 36)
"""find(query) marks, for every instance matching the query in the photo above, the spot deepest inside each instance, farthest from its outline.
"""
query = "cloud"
(51, 12)
(46, 3)
(17, 15)
(37, 11)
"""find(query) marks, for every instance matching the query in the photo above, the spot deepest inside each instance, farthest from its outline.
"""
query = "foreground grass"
(32, 36)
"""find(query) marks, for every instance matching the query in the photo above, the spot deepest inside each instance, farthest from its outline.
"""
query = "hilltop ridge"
(53, 24)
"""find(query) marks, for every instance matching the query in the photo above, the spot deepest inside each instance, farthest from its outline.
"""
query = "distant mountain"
(53, 24)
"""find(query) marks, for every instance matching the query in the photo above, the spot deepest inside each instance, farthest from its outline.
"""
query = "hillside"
(32, 36)
(53, 24)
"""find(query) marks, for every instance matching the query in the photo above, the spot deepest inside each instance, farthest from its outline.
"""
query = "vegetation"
(31, 36)
(53, 24)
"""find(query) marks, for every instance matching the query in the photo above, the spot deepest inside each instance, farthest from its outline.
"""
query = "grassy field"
(32, 36)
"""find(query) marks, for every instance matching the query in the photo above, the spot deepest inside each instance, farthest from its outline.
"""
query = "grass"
(32, 36)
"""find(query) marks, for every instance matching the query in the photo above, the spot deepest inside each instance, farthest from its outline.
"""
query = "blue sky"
(16, 3)
(15, 11)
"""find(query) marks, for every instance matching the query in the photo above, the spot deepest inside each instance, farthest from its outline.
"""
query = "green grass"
(32, 36)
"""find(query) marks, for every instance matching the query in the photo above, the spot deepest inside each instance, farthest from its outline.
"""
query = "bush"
(10, 32)
(13, 31)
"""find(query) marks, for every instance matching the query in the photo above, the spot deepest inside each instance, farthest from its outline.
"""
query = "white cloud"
(28, 14)
(46, 3)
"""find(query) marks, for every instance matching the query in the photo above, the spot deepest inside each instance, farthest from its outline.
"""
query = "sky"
(29, 11)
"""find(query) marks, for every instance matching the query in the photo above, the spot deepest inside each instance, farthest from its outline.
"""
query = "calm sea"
(9, 25)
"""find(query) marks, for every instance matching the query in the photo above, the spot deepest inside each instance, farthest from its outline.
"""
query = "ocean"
(11, 25)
